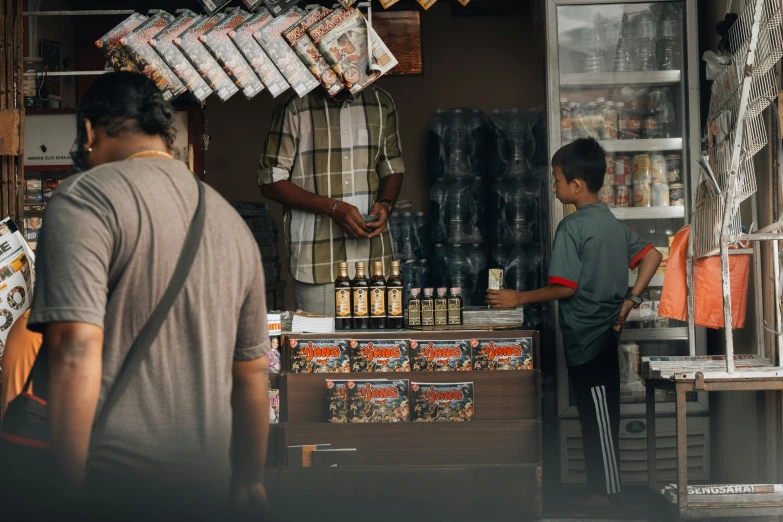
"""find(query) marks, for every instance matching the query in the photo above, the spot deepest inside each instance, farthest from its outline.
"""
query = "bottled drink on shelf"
(409, 274)
(455, 307)
(421, 234)
(645, 42)
(428, 308)
(669, 53)
(361, 298)
(579, 121)
(609, 121)
(441, 308)
(595, 43)
(623, 58)
(438, 265)
(436, 156)
(622, 121)
(343, 315)
(394, 298)
(377, 297)
(423, 273)
(414, 308)
(408, 241)
(592, 115)
(634, 129)
(439, 231)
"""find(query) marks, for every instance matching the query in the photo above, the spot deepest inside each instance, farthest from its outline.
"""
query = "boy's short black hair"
(583, 159)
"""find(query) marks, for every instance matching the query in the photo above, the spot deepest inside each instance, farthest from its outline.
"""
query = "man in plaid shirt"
(330, 163)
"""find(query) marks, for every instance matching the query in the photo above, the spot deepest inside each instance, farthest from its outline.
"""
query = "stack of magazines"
(305, 322)
(250, 50)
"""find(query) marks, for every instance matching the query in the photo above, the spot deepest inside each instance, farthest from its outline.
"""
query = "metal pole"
(67, 73)
(691, 297)
(757, 286)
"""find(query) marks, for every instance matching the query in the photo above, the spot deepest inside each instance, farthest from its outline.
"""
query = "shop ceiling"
(474, 8)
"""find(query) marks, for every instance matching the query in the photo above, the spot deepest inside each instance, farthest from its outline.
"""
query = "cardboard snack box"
(336, 401)
(442, 402)
(440, 356)
(378, 401)
(503, 354)
(380, 356)
(319, 356)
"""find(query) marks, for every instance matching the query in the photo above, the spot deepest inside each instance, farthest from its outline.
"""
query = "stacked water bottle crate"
(458, 218)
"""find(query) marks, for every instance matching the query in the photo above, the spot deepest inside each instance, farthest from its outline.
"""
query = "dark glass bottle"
(414, 308)
(394, 290)
(377, 297)
(343, 314)
(427, 308)
(455, 307)
(441, 308)
(361, 298)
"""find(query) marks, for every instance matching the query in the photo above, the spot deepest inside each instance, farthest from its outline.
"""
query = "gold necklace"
(151, 152)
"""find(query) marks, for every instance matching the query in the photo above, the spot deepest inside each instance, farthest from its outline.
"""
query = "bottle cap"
(455, 290)
(360, 264)
(420, 214)
(415, 291)
(600, 100)
(428, 291)
(441, 291)
(396, 264)
(342, 264)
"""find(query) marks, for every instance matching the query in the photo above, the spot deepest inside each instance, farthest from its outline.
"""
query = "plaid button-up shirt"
(338, 151)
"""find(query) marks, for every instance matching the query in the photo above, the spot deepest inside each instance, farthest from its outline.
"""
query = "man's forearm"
(250, 406)
(545, 294)
(75, 368)
(292, 196)
(647, 268)
(389, 187)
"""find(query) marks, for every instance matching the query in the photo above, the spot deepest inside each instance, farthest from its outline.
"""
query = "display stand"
(690, 507)
(485, 469)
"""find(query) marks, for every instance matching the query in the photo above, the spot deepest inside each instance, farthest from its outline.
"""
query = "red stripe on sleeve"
(638, 257)
(563, 282)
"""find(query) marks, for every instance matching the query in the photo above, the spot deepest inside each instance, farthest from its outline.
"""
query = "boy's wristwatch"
(635, 299)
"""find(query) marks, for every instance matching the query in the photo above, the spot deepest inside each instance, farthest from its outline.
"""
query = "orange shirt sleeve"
(21, 349)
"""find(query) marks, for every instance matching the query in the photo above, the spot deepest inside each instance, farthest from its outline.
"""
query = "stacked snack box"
(442, 402)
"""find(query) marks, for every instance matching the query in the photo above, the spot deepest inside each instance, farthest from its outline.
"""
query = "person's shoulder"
(92, 184)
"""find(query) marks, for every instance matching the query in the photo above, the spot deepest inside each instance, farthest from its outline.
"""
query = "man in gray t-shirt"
(112, 239)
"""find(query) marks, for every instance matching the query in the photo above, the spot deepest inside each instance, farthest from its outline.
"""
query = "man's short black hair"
(583, 159)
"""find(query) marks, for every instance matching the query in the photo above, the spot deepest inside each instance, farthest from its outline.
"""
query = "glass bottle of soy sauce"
(394, 291)
(428, 308)
(455, 307)
(414, 308)
(377, 297)
(361, 298)
(441, 308)
(343, 315)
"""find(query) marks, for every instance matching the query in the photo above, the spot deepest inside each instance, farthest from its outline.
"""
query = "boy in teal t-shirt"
(588, 276)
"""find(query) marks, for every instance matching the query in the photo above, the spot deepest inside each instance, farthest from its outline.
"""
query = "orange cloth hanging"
(707, 286)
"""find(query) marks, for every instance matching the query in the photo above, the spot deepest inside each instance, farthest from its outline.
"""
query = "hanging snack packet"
(137, 45)
(204, 63)
(381, 54)
(426, 4)
(342, 39)
(252, 4)
(242, 36)
(388, 3)
(113, 50)
(304, 47)
(227, 55)
(213, 6)
(163, 43)
(286, 60)
(347, 3)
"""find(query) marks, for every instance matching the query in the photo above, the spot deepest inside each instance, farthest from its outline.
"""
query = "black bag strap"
(141, 345)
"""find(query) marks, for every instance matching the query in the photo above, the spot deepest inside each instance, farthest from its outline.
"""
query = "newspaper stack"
(305, 322)
(728, 493)
(479, 315)
(664, 367)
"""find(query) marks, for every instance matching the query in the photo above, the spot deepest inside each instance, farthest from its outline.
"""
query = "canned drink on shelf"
(642, 169)
(677, 195)
(642, 195)
(622, 170)
(622, 196)
(610, 168)
(650, 128)
(606, 195)
(674, 168)
(660, 195)
(658, 168)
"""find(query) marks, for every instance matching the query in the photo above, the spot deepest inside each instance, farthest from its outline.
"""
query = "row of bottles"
(428, 310)
(375, 303)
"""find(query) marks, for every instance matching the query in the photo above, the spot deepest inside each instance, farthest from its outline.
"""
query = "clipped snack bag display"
(305, 49)
(213, 6)
(16, 277)
(263, 66)
(163, 44)
(227, 54)
(271, 39)
(147, 61)
(707, 286)
(209, 69)
(113, 50)
(342, 38)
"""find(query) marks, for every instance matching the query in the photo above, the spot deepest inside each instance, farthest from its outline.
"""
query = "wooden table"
(682, 384)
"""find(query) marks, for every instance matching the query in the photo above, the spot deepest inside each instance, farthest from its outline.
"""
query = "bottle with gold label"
(394, 291)
(455, 307)
(343, 315)
(414, 308)
(361, 298)
(441, 308)
(428, 308)
(377, 297)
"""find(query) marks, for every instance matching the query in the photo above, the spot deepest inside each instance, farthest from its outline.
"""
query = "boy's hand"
(503, 298)
(624, 311)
